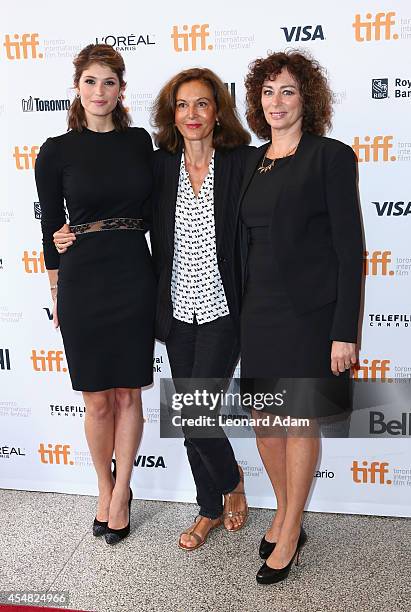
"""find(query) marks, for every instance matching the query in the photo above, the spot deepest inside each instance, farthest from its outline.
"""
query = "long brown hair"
(100, 54)
(228, 132)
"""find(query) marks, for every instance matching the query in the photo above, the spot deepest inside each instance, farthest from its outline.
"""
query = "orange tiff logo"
(368, 474)
(33, 264)
(25, 159)
(377, 150)
(52, 361)
(22, 46)
(375, 28)
(55, 454)
(374, 369)
(376, 263)
(192, 38)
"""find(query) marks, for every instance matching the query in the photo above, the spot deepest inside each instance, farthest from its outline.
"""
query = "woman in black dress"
(300, 216)
(101, 170)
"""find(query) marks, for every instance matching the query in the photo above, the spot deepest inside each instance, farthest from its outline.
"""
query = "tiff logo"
(4, 359)
(34, 264)
(24, 46)
(50, 362)
(380, 144)
(369, 29)
(25, 160)
(377, 263)
(55, 454)
(189, 38)
(369, 370)
(368, 475)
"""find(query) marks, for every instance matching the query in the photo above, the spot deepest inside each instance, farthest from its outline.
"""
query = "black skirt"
(106, 306)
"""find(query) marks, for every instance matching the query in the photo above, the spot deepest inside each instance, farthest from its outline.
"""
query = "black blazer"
(229, 169)
(316, 231)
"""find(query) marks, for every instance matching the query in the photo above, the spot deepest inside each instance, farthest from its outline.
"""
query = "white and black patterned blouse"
(196, 285)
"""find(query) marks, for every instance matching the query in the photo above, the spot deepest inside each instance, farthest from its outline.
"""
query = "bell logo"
(50, 362)
(190, 37)
(368, 475)
(376, 264)
(380, 144)
(33, 264)
(376, 28)
(55, 454)
(22, 46)
(374, 369)
(25, 160)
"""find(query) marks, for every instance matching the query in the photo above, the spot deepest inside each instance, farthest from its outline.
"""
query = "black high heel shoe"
(266, 548)
(114, 536)
(100, 527)
(270, 575)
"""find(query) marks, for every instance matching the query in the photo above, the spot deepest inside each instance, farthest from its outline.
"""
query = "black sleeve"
(147, 146)
(50, 192)
(343, 207)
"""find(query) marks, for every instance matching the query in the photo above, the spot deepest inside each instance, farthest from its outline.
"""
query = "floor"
(350, 563)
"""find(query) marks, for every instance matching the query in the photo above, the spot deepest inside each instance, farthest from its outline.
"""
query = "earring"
(77, 96)
(217, 123)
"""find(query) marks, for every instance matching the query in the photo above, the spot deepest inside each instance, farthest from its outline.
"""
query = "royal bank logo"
(303, 33)
(22, 46)
(38, 105)
(375, 27)
(379, 89)
(191, 38)
(376, 149)
(389, 208)
(129, 42)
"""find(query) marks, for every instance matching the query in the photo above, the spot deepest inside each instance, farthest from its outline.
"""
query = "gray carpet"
(350, 563)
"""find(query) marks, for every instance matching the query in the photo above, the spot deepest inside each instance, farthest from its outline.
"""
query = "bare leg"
(99, 429)
(127, 437)
(273, 455)
(301, 460)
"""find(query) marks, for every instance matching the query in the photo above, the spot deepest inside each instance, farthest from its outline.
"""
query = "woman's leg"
(99, 429)
(301, 460)
(127, 436)
(273, 455)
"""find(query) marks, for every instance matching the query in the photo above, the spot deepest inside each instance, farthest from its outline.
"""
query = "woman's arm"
(50, 193)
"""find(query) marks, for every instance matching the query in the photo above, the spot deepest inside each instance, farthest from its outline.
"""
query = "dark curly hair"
(314, 90)
(107, 56)
(228, 133)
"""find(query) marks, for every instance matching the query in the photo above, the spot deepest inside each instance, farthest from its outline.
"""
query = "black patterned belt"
(118, 223)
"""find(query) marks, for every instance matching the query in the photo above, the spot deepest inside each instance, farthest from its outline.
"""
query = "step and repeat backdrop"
(365, 48)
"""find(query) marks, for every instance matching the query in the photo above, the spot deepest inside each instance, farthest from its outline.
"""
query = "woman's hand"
(63, 238)
(343, 356)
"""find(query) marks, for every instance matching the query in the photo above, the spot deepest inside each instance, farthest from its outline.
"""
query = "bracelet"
(53, 287)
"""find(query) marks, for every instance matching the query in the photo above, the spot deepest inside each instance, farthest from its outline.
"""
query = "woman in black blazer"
(198, 170)
(302, 252)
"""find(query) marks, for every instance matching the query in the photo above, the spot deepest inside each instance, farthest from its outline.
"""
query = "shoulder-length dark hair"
(228, 131)
(107, 56)
(313, 85)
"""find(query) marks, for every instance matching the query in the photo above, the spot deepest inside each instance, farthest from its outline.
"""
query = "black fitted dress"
(106, 288)
(275, 340)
